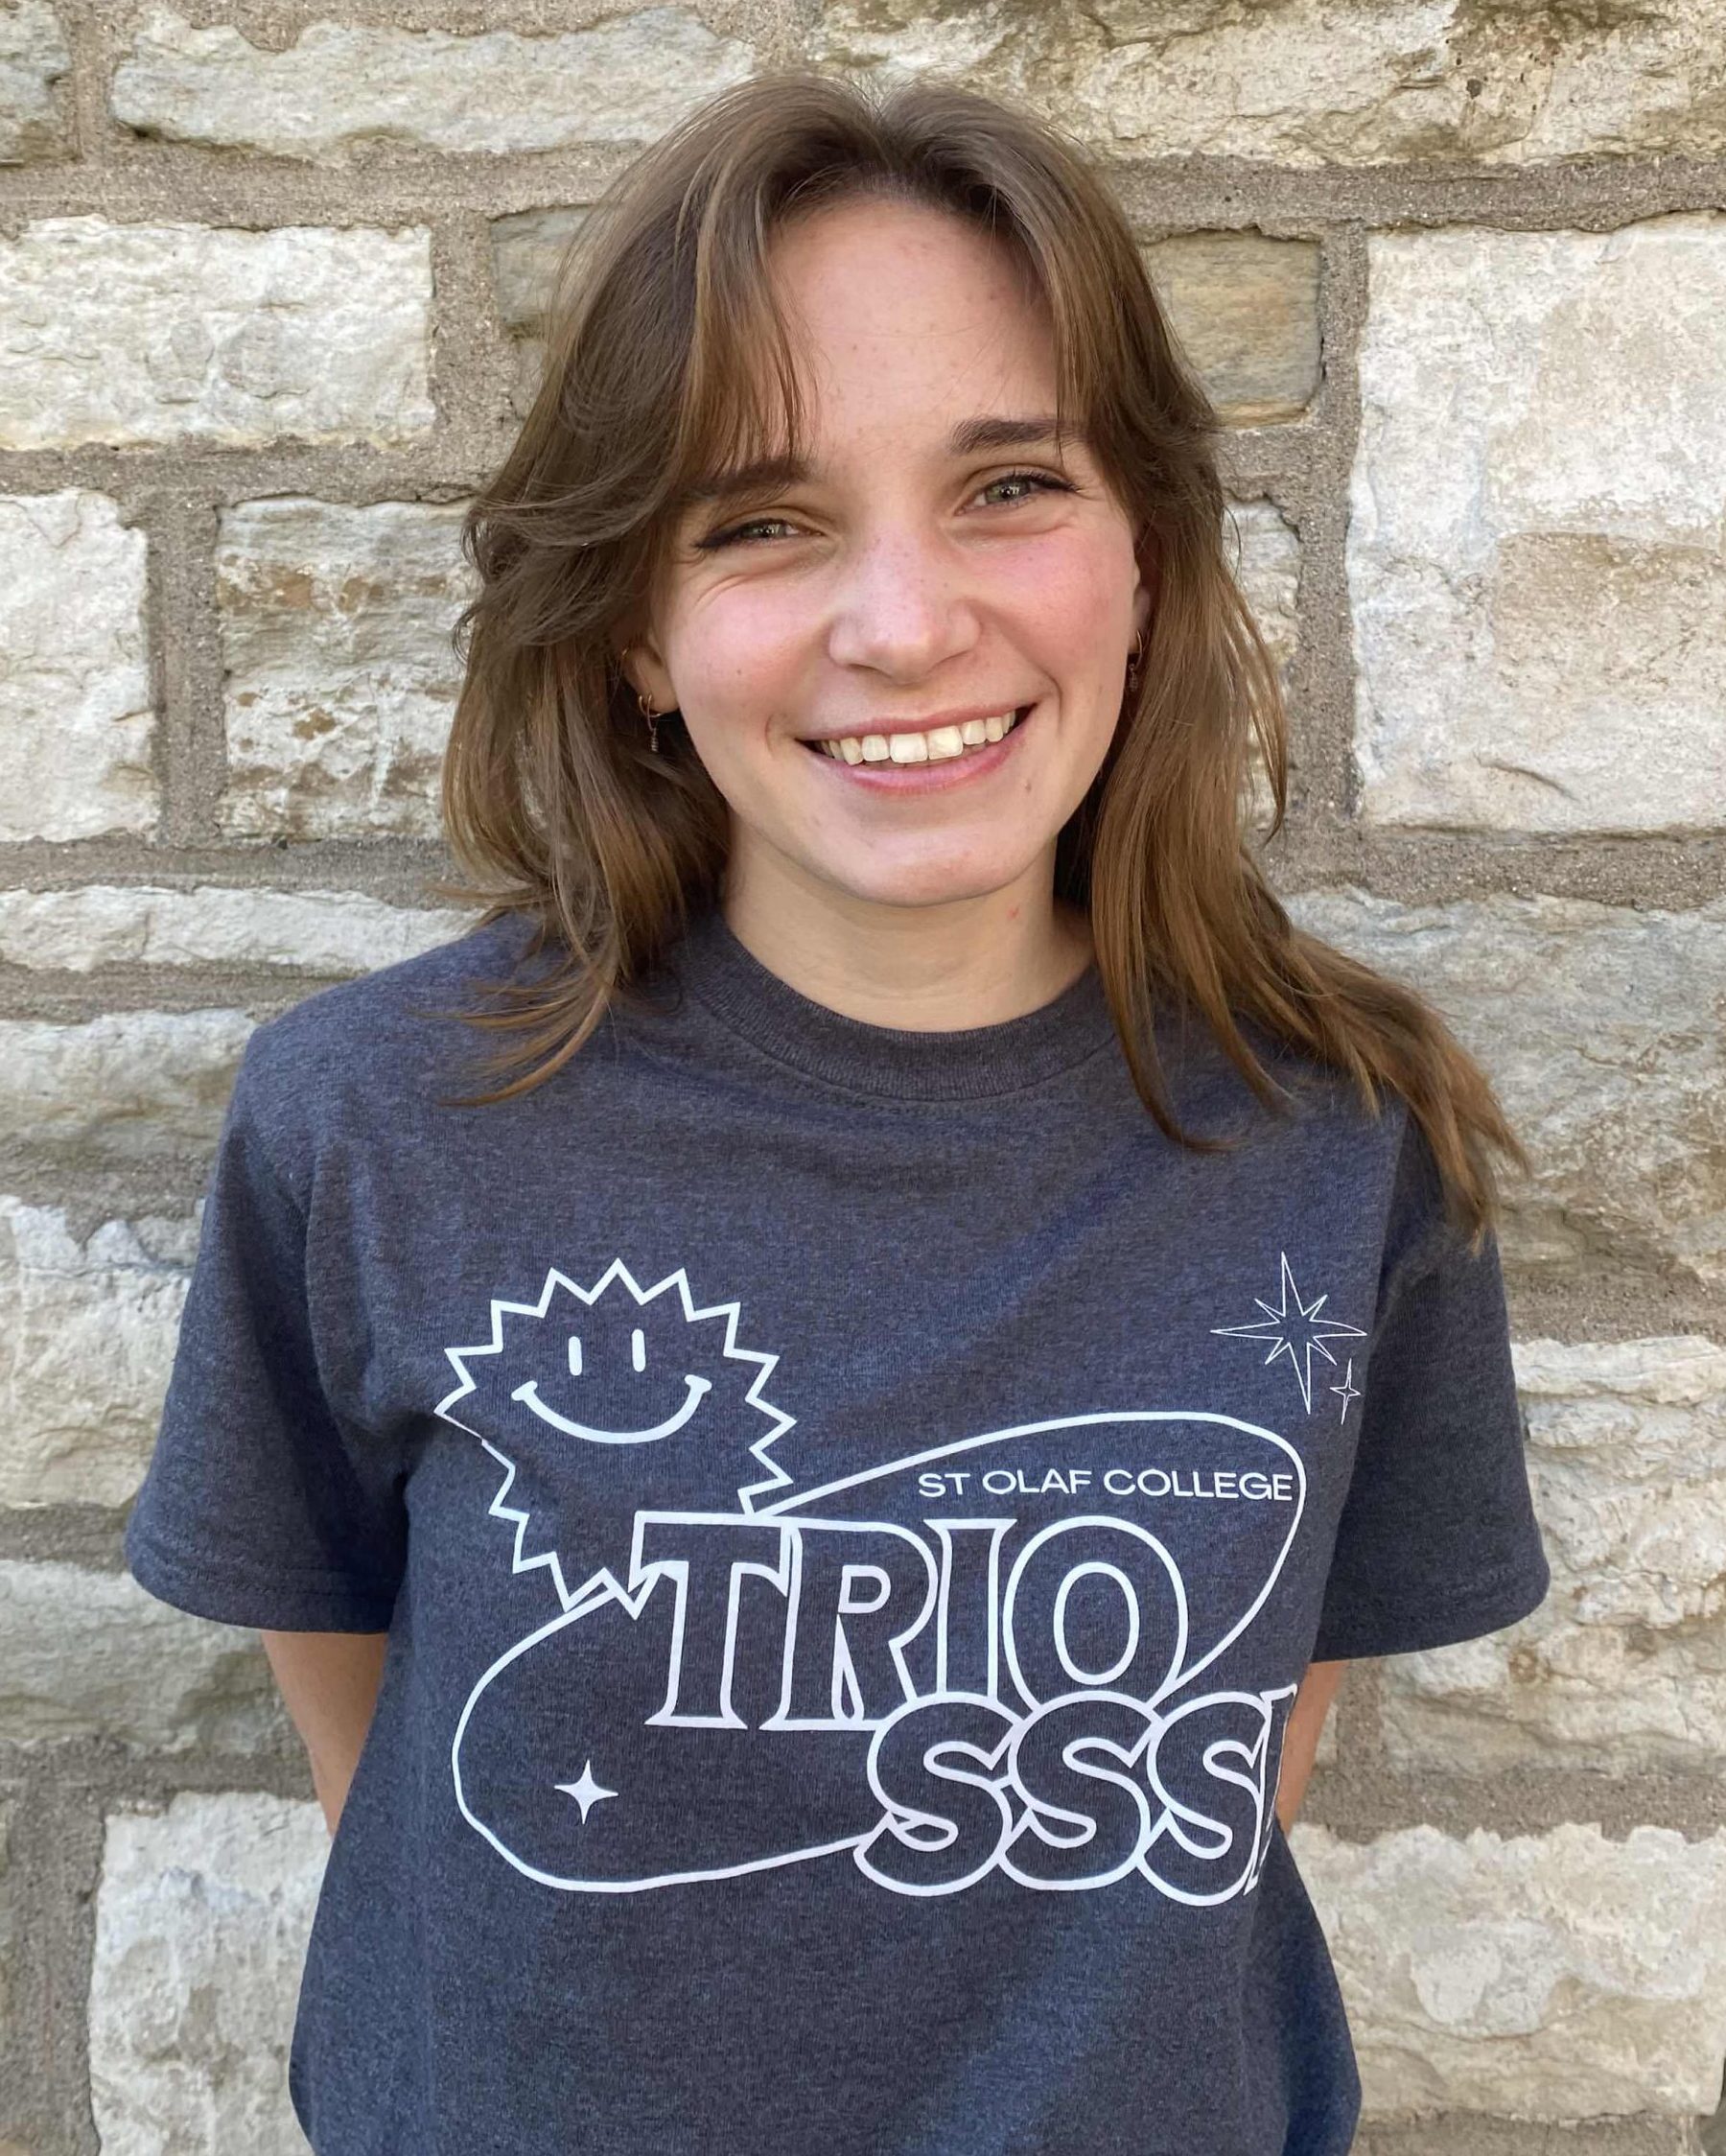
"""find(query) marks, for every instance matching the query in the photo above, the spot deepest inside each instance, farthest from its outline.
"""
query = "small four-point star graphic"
(587, 1791)
(1347, 1391)
(1296, 1332)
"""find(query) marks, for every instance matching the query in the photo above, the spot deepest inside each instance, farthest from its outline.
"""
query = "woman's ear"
(646, 672)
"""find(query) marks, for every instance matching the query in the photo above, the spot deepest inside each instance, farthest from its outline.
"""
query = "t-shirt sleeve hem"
(1507, 1597)
(283, 1602)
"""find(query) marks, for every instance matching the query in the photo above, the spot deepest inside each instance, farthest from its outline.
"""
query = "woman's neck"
(932, 967)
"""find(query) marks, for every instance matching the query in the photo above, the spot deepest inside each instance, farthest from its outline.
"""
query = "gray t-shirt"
(852, 1509)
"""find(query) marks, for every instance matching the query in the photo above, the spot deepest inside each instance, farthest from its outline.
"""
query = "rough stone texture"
(342, 87)
(1538, 582)
(129, 1086)
(324, 933)
(90, 1654)
(1246, 310)
(157, 333)
(342, 679)
(33, 57)
(1623, 1666)
(89, 1330)
(75, 718)
(202, 1922)
(1264, 549)
(1302, 84)
(527, 253)
(1556, 1976)
(8, 1941)
(1600, 1026)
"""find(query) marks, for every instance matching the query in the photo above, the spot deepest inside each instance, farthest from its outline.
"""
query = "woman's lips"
(887, 777)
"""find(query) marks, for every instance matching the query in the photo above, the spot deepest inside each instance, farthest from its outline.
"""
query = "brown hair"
(666, 359)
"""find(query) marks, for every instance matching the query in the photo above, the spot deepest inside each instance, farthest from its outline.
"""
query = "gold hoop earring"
(652, 718)
(646, 709)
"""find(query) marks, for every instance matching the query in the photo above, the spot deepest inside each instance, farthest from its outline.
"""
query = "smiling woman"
(872, 1424)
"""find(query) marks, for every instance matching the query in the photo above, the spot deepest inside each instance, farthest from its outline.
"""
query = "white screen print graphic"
(985, 1655)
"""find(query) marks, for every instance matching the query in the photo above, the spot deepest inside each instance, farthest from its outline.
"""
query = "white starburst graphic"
(1347, 1391)
(587, 1791)
(1296, 1331)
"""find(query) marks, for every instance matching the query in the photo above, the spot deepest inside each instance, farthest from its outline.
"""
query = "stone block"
(1300, 83)
(1599, 1028)
(341, 88)
(91, 1328)
(332, 933)
(1560, 1976)
(132, 334)
(1245, 308)
(127, 1087)
(342, 678)
(1534, 550)
(77, 722)
(89, 1654)
(34, 56)
(202, 1917)
(1623, 1666)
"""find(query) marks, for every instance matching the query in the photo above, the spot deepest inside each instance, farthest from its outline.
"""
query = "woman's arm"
(330, 1683)
(1300, 1738)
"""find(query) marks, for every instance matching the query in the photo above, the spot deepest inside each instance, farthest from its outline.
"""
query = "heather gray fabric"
(851, 1510)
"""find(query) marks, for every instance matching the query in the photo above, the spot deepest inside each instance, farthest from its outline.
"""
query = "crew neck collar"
(973, 1063)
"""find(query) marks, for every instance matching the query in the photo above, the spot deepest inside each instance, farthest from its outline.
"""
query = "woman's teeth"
(921, 748)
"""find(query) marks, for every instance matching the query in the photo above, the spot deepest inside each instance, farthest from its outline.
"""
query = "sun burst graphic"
(597, 1401)
(1296, 1331)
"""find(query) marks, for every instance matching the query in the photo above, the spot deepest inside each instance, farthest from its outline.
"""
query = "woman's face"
(925, 574)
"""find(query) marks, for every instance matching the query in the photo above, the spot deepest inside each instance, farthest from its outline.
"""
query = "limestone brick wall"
(1456, 272)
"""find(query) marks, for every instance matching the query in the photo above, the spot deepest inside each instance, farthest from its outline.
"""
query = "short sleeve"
(1437, 1540)
(261, 1505)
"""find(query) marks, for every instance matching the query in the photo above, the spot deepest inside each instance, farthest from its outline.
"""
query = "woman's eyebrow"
(767, 474)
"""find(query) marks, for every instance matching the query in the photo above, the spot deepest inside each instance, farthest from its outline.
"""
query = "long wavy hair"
(666, 359)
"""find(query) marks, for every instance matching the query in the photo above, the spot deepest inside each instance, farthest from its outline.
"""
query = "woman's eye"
(744, 535)
(740, 532)
(1041, 480)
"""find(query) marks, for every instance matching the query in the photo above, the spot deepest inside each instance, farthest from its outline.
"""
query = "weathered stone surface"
(1554, 1976)
(33, 56)
(157, 333)
(1534, 551)
(342, 679)
(1623, 1666)
(90, 1654)
(325, 932)
(126, 1086)
(75, 718)
(1246, 310)
(202, 1917)
(89, 1329)
(341, 88)
(527, 251)
(1300, 82)
(1264, 549)
(1600, 1026)
(9, 1933)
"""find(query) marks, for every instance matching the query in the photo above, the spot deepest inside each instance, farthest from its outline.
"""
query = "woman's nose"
(902, 608)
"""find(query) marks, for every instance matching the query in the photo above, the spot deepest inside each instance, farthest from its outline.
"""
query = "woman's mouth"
(913, 761)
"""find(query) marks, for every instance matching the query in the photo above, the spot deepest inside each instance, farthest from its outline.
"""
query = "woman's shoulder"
(381, 1009)
(383, 1042)
(1322, 1105)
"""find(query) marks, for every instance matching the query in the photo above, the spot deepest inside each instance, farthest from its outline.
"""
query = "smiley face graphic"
(598, 1398)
